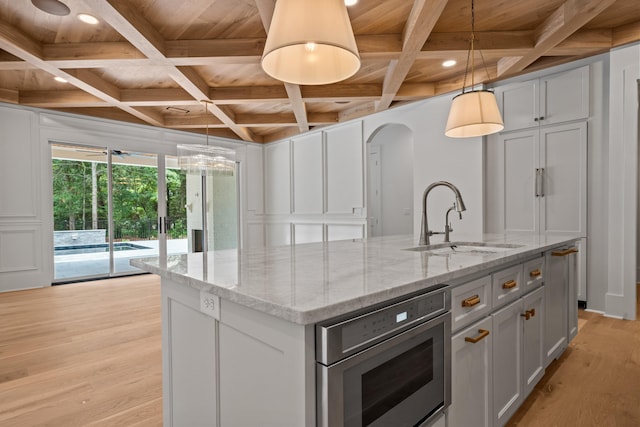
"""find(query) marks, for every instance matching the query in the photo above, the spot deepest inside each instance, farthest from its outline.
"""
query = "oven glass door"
(399, 382)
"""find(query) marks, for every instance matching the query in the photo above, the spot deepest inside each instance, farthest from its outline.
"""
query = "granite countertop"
(312, 282)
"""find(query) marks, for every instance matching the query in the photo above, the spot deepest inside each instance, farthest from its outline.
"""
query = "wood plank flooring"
(596, 382)
(82, 354)
(89, 355)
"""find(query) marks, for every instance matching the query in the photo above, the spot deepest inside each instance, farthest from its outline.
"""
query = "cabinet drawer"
(533, 274)
(507, 285)
(470, 301)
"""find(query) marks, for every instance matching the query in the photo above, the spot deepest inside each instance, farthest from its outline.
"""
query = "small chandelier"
(310, 42)
(206, 160)
(475, 112)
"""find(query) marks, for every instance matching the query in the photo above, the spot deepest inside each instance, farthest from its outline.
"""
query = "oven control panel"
(363, 329)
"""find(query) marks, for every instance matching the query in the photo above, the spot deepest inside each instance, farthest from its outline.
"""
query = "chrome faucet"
(458, 206)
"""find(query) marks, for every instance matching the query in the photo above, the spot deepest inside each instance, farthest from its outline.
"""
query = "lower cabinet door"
(471, 376)
(533, 340)
(507, 362)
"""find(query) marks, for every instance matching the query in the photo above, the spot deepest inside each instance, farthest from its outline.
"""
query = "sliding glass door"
(107, 210)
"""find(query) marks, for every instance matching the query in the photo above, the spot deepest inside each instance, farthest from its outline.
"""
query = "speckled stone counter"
(312, 282)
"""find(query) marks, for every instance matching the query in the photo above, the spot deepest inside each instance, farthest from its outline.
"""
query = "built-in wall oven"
(388, 365)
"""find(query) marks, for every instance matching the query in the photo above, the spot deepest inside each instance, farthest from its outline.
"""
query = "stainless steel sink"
(466, 248)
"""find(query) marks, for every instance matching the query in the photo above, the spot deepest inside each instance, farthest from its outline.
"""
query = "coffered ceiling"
(154, 61)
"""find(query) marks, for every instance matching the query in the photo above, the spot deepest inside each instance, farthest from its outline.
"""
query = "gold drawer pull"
(483, 333)
(529, 314)
(471, 301)
(510, 284)
(535, 273)
(565, 252)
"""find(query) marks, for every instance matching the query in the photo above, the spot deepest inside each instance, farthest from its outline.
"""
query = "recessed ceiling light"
(350, 2)
(60, 80)
(88, 19)
(449, 63)
(53, 7)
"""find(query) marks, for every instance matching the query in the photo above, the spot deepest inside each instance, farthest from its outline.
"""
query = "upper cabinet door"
(519, 105)
(563, 198)
(557, 98)
(344, 169)
(564, 96)
(517, 167)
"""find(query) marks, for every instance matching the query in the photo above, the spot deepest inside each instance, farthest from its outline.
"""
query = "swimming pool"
(95, 248)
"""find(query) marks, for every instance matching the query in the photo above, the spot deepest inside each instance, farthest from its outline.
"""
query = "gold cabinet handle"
(565, 252)
(471, 301)
(528, 314)
(535, 273)
(510, 284)
(482, 334)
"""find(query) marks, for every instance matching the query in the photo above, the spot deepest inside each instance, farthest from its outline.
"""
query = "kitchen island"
(239, 326)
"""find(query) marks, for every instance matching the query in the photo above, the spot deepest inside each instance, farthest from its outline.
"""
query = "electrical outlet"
(210, 304)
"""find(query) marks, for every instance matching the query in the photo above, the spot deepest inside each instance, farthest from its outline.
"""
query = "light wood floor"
(89, 355)
(82, 355)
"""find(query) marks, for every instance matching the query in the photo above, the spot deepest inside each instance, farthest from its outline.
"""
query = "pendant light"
(203, 161)
(475, 112)
(310, 42)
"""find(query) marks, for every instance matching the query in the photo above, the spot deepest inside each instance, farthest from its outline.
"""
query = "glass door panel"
(176, 199)
(80, 210)
(134, 178)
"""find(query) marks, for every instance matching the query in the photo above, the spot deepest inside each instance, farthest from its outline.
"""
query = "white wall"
(390, 181)
(623, 181)
(26, 207)
(439, 158)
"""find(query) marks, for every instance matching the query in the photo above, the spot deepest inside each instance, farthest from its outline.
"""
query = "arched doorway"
(390, 181)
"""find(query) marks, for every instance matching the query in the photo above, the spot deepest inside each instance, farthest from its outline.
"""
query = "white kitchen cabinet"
(471, 376)
(277, 178)
(470, 302)
(532, 340)
(556, 306)
(573, 272)
(537, 180)
(255, 178)
(507, 362)
(518, 362)
(344, 169)
(507, 285)
(307, 174)
(562, 318)
(548, 100)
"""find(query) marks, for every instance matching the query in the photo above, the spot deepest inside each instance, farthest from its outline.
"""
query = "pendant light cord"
(470, 53)
(206, 118)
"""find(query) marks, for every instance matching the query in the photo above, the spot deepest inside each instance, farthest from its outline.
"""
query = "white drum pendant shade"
(474, 113)
(310, 42)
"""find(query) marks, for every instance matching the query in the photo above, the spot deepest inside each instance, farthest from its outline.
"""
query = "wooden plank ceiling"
(155, 61)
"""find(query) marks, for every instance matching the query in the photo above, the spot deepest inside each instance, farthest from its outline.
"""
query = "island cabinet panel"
(345, 169)
(307, 162)
(472, 376)
(233, 366)
(507, 362)
(189, 342)
(267, 373)
(532, 340)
